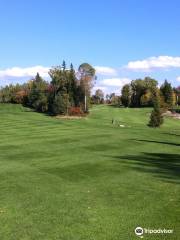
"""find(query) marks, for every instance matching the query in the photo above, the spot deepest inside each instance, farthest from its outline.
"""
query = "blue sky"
(124, 40)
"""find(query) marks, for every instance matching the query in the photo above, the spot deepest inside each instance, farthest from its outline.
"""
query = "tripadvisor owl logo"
(139, 231)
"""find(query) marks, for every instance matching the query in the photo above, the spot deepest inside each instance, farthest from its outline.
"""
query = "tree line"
(140, 93)
(67, 92)
(144, 93)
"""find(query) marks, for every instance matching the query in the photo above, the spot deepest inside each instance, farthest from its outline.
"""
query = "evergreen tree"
(156, 118)
(37, 97)
(167, 92)
(72, 86)
(64, 65)
(60, 104)
(126, 95)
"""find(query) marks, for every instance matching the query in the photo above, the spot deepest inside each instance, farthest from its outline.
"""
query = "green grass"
(87, 179)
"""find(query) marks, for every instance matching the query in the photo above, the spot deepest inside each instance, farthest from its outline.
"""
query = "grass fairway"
(87, 179)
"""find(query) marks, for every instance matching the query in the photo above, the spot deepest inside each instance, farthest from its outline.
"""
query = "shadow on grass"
(172, 134)
(83, 171)
(159, 142)
(162, 165)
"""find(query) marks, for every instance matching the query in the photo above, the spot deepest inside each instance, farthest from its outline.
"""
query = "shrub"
(75, 111)
(60, 104)
(156, 118)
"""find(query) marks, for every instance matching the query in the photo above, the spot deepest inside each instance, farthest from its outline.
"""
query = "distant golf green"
(87, 179)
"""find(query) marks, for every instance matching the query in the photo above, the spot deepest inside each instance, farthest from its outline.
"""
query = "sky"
(122, 39)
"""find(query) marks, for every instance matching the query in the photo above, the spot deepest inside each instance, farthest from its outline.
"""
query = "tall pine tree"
(167, 93)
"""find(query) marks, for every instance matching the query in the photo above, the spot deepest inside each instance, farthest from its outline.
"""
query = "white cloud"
(103, 88)
(178, 79)
(107, 71)
(116, 82)
(161, 62)
(111, 85)
(24, 72)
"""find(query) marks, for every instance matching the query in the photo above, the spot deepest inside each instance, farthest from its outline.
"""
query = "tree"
(146, 99)
(174, 98)
(167, 93)
(37, 97)
(64, 65)
(20, 96)
(60, 104)
(98, 97)
(59, 79)
(156, 118)
(126, 95)
(114, 99)
(87, 75)
(5, 95)
(140, 87)
(107, 98)
(61, 88)
(72, 87)
(66, 89)
(177, 92)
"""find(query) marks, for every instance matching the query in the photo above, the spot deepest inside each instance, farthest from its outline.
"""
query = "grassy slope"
(86, 179)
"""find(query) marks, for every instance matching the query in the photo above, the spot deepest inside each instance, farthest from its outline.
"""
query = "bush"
(60, 104)
(75, 111)
(156, 118)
